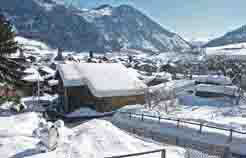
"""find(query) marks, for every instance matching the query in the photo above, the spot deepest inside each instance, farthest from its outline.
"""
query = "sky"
(192, 19)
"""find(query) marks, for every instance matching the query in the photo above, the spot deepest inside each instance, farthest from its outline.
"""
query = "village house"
(7, 91)
(103, 86)
(33, 80)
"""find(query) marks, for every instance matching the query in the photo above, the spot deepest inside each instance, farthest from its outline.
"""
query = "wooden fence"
(163, 154)
(178, 121)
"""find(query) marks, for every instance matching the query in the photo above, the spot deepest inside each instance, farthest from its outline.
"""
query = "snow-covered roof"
(103, 79)
(48, 70)
(53, 82)
(174, 85)
(227, 90)
(33, 75)
(216, 79)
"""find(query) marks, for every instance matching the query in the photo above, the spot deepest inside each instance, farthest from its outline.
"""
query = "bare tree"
(160, 99)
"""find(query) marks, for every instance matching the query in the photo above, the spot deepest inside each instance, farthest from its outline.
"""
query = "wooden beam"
(66, 100)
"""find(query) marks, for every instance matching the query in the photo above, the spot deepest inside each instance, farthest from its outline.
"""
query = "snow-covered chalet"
(103, 86)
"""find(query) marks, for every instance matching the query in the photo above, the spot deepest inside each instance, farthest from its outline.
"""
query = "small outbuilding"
(104, 86)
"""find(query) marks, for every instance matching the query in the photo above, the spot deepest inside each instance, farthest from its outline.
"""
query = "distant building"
(104, 86)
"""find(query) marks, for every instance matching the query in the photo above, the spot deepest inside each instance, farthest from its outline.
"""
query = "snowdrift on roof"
(104, 79)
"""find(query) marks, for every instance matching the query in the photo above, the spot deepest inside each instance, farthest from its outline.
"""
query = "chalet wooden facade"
(103, 86)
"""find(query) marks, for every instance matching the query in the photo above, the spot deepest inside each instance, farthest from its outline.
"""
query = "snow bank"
(93, 139)
(17, 147)
(104, 79)
(99, 138)
(19, 125)
(16, 133)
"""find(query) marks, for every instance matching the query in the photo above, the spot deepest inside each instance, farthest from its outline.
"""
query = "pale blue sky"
(189, 18)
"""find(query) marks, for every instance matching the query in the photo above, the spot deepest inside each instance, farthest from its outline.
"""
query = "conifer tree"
(7, 43)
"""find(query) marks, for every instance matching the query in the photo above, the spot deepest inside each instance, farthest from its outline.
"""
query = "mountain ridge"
(101, 29)
(235, 36)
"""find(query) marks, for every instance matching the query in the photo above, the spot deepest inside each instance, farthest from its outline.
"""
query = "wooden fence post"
(227, 153)
(200, 130)
(177, 140)
(152, 135)
(163, 154)
(230, 139)
(178, 123)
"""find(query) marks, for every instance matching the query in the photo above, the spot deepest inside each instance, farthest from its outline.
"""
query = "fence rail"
(163, 154)
(201, 125)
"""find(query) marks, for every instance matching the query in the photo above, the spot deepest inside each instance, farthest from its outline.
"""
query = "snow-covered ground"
(214, 111)
(99, 138)
(166, 128)
(92, 139)
(202, 109)
(19, 125)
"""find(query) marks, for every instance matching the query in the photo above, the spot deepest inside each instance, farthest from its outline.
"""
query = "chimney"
(91, 54)
(21, 55)
(59, 55)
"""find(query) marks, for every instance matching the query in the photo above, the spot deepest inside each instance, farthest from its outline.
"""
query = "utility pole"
(38, 89)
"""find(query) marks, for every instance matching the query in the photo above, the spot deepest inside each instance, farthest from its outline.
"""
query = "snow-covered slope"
(235, 36)
(100, 29)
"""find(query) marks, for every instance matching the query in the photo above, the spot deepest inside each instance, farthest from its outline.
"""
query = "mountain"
(105, 28)
(235, 36)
